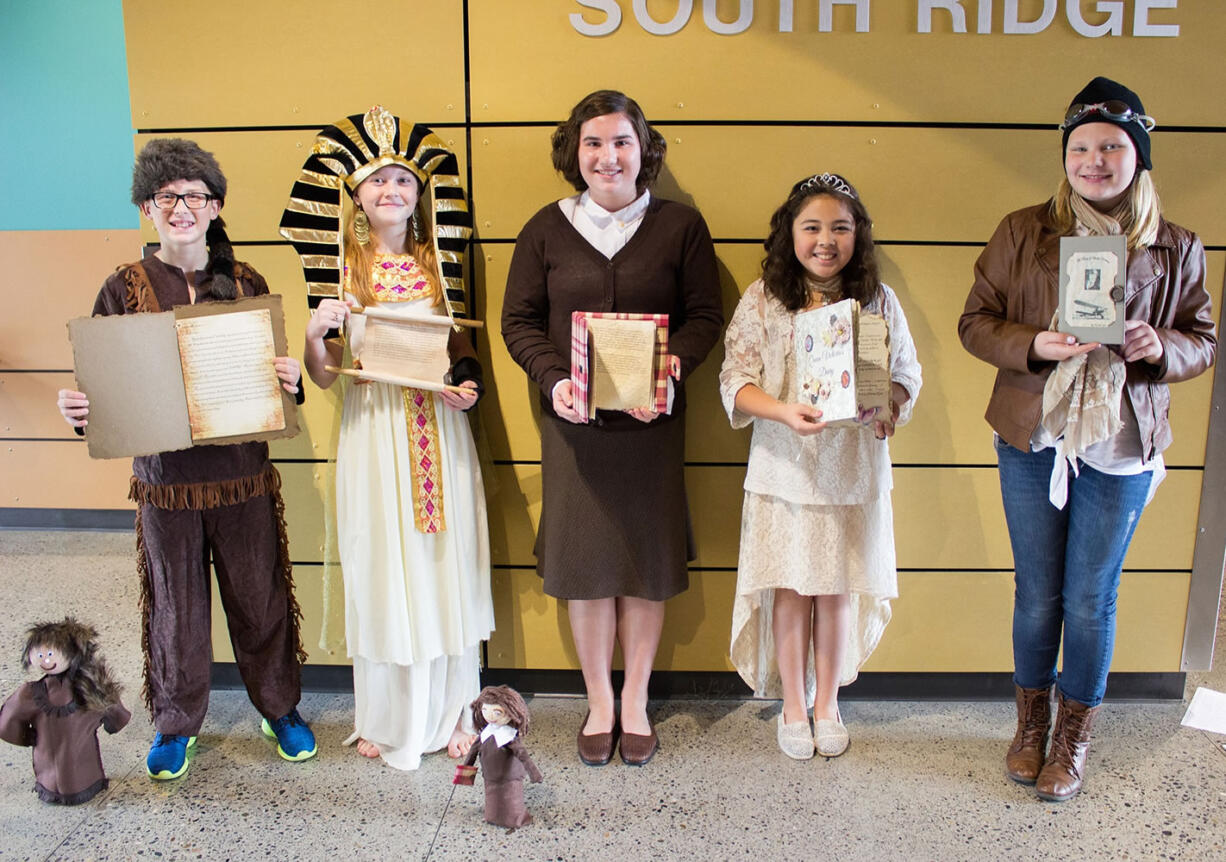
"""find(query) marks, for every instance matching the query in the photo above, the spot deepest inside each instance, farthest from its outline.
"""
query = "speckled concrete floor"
(921, 780)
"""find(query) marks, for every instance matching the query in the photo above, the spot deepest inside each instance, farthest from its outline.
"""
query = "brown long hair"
(652, 145)
(785, 277)
(509, 699)
(360, 258)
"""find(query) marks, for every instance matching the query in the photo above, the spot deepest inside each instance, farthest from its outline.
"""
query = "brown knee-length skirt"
(614, 517)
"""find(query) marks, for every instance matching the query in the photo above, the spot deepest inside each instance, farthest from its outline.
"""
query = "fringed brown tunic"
(218, 504)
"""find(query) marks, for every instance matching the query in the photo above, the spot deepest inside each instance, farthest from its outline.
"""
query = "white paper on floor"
(1207, 711)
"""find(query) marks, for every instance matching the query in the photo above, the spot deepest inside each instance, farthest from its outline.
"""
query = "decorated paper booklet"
(1092, 273)
(618, 361)
(197, 375)
(843, 362)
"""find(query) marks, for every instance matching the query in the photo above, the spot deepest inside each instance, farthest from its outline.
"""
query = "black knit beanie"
(1105, 90)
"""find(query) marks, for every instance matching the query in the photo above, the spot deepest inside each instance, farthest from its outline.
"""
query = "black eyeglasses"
(193, 200)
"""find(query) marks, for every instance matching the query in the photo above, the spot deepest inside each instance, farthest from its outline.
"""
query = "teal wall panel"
(67, 129)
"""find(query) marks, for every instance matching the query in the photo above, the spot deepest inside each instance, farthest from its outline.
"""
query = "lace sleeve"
(743, 359)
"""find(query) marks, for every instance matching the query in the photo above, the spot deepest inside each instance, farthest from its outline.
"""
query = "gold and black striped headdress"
(348, 152)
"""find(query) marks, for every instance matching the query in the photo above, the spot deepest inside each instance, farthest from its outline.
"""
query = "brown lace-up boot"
(1024, 758)
(1062, 775)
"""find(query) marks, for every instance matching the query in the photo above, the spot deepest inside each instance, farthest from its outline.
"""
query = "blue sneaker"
(294, 738)
(169, 756)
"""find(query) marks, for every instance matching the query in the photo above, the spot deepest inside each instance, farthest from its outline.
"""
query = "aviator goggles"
(1113, 109)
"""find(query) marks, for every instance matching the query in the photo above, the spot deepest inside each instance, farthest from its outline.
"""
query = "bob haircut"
(597, 104)
(786, 279)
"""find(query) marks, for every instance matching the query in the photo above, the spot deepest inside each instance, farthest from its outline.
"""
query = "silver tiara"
(832, 181)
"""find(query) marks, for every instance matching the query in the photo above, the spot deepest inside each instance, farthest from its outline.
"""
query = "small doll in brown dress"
(59, 714)
(501, 719)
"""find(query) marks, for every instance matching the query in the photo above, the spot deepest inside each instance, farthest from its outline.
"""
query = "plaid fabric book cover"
(580, 367)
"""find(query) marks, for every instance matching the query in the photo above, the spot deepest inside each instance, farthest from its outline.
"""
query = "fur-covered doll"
(501, 719)
(59, 714)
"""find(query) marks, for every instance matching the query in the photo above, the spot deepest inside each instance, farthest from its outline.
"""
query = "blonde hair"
(1137, 217)
(360, 258)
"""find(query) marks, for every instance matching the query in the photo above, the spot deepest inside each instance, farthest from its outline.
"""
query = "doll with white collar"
(59, 714)
(500, 717)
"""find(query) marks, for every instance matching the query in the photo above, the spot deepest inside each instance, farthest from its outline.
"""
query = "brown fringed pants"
(245, 542)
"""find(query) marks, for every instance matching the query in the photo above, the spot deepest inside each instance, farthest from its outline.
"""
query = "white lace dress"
(417, 603)
(817, 516)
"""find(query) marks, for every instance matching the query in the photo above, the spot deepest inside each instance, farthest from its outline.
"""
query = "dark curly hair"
(566, 137)
(509, 699)
(784, 276)
(164, 160)
(87, 674)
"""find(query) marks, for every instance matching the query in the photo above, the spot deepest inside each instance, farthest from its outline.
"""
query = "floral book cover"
(826, 359)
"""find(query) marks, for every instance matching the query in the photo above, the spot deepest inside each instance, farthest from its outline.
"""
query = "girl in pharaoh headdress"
(411, 521)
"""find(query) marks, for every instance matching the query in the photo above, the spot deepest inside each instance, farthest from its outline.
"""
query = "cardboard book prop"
(193, 376)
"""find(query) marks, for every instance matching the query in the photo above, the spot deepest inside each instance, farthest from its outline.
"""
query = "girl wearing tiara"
(410, 506)
(816, 570)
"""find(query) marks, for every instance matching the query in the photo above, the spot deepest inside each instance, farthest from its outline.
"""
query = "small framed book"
(843, 362)
(618, 361)
(1092, 273)
(193, 376)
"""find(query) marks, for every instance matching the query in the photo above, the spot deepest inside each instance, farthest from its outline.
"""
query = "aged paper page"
(405, 347)
(228, 375)
(622, 364)
(873, 363)
(128, 367)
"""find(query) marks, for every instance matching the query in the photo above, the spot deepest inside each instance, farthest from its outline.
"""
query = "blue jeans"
(1066, 568)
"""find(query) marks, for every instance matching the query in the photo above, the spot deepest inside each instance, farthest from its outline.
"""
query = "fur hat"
(164, 160)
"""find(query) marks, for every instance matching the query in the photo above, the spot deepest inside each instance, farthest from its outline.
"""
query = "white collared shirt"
(502, 733)
(607, 232)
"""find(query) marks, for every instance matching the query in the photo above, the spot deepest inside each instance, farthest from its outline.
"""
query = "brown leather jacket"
(1015, 295)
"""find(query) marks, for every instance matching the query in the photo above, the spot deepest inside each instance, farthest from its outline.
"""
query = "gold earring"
(361, 227)
(419, 228)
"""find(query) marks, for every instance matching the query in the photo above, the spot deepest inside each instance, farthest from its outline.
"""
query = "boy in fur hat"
(209, 502)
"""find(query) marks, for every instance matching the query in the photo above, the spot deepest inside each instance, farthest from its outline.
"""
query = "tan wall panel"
(961, 622)
(260, 168)
(813, 75)
(305, 488)
(27, 404)
(305, 63)
(952, 518)
(40, 340)
(61, 475)
(534, 630)
(892, 168)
